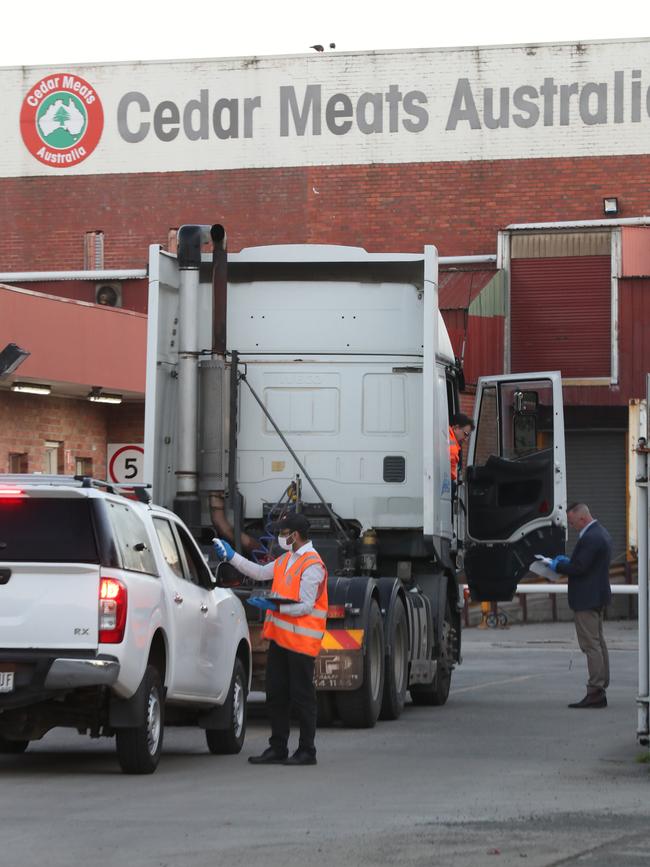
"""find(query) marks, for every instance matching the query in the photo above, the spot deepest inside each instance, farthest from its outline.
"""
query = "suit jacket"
(588, 570)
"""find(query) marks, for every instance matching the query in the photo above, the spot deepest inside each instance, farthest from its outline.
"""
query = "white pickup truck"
(112, 623)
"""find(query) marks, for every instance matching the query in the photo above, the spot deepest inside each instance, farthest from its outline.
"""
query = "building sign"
(61, 120)
(125, 463)
(429, 105)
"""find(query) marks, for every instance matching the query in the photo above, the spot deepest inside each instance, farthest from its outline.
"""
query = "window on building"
(94, 251)
(83, 467)
(53, 458)
(18, 462)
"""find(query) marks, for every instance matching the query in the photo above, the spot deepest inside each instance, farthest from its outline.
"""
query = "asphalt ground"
(503, 774)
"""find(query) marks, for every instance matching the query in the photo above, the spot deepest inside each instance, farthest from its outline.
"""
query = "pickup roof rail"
(139, 491)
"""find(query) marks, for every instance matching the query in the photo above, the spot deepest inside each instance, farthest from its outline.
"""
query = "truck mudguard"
(355, 592)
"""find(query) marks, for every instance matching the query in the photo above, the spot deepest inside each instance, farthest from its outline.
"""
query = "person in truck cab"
(459, 430)
(295, 631)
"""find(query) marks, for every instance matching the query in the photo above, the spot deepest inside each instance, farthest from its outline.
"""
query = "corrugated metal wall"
(550, 245)
(560, 315)
(596, 475)
(635, 247)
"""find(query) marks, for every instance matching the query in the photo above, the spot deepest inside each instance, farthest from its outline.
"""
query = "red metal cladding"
(483, 341)
(560, 315)
(635, 249)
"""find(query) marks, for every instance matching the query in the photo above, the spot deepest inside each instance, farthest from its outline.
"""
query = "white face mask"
(284, 543)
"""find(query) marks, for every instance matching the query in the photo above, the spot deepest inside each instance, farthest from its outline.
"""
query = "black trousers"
(290, 686)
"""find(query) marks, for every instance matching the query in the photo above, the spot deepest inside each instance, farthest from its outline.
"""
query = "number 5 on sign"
(125, 463)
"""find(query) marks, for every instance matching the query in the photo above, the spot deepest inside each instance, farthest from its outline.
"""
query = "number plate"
(6, 681)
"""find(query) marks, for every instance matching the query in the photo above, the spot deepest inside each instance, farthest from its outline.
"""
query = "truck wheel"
(12, 748)
(396, 666)
(360, 708)
(138, 749)
(437, 692)
(230, 741)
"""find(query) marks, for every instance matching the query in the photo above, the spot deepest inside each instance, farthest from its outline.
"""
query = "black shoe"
(269, 757)
(300, 757)
(592, 699)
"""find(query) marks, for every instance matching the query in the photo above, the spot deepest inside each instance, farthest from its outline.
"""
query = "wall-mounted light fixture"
(11, 357)
(610, 206)
(98, 396)
(31, 387)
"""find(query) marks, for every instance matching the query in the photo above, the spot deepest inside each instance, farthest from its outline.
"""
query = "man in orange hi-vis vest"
(295, 631)
(460, 428)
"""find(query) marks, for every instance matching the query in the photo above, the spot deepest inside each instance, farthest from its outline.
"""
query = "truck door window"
(168, 545)
(487, 432)
(526, 418)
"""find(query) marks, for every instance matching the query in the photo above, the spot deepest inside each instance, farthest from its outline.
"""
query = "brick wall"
(27, 422)
(125, 423)
(459, 206)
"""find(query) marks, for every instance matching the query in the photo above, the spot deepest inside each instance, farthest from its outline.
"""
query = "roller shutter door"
(596, 476)
(560, 315)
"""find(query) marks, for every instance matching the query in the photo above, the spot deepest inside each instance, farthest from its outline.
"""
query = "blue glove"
(223, 549)
(262, 603)
(556, 561)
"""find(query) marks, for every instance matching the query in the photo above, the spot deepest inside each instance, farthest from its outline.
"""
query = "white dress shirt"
(584, 529)
(310, 580)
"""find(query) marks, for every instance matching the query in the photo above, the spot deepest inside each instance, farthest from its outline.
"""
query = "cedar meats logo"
(61, 120)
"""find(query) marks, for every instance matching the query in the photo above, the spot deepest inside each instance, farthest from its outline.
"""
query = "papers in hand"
(541, 568)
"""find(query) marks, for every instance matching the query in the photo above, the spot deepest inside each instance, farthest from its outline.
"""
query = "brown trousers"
(589, 629)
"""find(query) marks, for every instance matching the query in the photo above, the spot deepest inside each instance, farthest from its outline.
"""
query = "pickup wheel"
(397, 664)
(437, 692)
(12, 748)
(360, 708)
(230, 741)
(138, 749)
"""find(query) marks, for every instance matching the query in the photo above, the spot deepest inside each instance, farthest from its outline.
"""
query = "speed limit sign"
(125, 463)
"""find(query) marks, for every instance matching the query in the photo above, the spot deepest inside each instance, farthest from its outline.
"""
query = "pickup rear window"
(47, 530)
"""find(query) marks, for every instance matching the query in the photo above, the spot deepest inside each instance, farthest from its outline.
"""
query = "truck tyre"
(12, 748)
(437, 692)
(138, 749)
(360, 708)
(229, 741)
(396, 665)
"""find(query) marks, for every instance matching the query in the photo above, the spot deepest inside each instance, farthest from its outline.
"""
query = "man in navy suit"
(589, 593)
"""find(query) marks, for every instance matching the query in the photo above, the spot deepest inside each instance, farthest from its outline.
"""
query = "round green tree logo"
(61, 120)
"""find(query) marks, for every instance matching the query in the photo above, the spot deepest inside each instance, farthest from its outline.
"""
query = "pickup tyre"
(229, 741)
(139, 748)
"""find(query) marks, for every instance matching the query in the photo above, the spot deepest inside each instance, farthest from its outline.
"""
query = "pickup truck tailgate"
(49, 605)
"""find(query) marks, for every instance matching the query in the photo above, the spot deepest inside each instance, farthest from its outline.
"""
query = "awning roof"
(457, 289)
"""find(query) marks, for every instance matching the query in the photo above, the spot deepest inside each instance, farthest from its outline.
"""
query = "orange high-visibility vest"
(454, 453)
(302, 634)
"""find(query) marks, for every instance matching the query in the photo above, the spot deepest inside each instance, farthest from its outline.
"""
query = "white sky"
(43, 32)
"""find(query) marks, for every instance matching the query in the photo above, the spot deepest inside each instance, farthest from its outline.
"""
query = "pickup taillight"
(112, 610)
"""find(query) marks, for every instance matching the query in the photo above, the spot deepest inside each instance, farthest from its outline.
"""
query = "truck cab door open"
(515, 491)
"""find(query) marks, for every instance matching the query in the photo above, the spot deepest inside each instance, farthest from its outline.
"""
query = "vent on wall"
(394, 468)
(108, 294)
